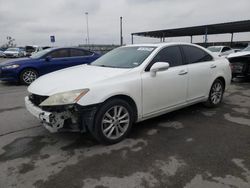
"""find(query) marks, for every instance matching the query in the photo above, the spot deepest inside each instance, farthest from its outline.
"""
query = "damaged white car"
(128, 85)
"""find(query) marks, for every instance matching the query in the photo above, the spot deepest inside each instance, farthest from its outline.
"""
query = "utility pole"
(87, 22)
(121, 37)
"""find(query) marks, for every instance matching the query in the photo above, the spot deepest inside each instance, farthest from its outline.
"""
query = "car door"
(168, 88)
(200, 66)
(80, 56)
(56, 60)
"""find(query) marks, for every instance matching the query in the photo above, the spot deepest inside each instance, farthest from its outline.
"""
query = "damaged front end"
(72, 118)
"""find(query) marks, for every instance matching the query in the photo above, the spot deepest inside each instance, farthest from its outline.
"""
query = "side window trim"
(150, 64)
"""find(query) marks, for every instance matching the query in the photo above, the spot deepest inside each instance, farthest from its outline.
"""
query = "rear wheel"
(216, 94)
(27, 76)
(113, 121)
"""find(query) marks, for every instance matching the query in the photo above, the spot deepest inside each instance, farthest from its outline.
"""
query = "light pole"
(87, 22)
(121, 37)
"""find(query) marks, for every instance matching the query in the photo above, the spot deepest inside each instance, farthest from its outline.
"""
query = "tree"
(10, 42)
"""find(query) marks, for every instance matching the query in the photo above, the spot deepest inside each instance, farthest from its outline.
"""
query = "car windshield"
(246, 49)
(12, 49)
(214, 49)
(125, 57)
(40, 54)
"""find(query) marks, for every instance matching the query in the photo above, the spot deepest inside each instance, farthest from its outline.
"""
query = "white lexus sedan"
(127, 85)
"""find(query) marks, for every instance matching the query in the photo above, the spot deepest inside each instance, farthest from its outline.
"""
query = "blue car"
(26, 70)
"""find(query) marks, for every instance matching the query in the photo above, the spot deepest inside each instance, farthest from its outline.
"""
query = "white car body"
(153, 95)
(223, 51)
(239, 54)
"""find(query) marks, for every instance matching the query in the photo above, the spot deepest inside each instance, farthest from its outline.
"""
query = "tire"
(27, 76)
(215, 94)
(113, 121)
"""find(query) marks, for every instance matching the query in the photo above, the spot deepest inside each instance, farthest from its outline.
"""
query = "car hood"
(19, 61)
(239, 54)
(78, 77)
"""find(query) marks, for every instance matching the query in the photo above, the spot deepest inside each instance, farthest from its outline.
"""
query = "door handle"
(213, 66)
(183, 72)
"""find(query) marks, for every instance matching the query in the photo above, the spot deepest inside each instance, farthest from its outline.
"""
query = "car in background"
(240, 63)
(26, 70)
(2, 51)
(46, 47)
(13, 52)
(237, 49)
(30, 50)
(23, 51)
(221, 51)
(127, 85)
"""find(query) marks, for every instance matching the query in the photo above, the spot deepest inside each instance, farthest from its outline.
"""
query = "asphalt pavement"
(195, 147)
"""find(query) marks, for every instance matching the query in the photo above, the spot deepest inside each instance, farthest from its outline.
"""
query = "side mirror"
(159, 67)
(48, 58)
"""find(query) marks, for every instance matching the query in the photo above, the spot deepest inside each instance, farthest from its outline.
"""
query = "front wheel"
(113, 121)
(215, 94)
(27, 76)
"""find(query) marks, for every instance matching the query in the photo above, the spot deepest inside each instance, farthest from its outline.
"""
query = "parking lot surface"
(193, 147)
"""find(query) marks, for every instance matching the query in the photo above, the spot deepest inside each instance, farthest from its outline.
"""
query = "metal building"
(221, 28)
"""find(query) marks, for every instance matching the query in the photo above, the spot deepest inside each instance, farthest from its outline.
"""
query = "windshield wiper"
(106, 66)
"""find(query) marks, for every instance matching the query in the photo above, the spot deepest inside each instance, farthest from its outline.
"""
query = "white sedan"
(127, 85)
(13, 52)
(221, 51)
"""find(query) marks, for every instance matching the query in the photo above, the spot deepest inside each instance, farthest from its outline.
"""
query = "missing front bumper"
(54, 121)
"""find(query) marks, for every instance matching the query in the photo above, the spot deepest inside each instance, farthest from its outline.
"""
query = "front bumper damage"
(66, 120)
(60, 119)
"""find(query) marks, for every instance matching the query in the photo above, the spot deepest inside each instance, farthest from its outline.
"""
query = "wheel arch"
(222, 79)
(128, 99)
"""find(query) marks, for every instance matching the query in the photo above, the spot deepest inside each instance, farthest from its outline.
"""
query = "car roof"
(219, 46)
(58, 48)
(164, 44)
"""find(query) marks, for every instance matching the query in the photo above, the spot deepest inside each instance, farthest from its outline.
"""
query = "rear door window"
(195, 55)
(60, 53)
(79, 53)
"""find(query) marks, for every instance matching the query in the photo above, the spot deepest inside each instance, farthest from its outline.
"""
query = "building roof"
(222, 28)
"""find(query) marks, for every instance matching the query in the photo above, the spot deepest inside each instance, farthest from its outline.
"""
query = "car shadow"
(10, 84)
(240, 80)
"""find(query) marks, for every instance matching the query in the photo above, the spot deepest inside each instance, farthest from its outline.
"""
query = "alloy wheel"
(216, 93)
(29, 76)
(115, 122)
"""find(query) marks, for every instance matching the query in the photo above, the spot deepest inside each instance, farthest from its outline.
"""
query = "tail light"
(236, 67)
(231, 66)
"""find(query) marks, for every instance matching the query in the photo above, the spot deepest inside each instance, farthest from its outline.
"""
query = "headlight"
(10, 67)
(65, 98)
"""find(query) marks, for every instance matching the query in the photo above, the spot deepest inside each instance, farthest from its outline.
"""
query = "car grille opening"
(37, 99)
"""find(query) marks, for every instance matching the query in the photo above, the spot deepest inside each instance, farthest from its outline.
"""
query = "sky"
(34, 21)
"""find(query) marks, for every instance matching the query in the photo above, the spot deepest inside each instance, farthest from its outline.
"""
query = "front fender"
(101, 93)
